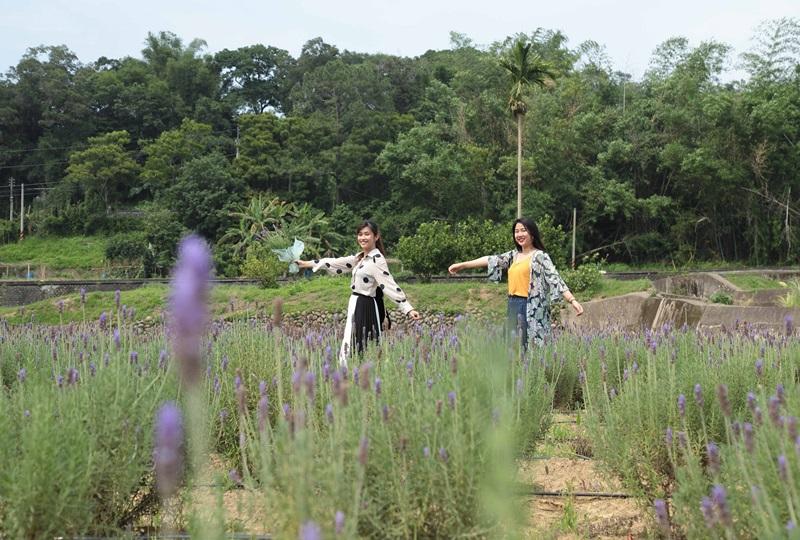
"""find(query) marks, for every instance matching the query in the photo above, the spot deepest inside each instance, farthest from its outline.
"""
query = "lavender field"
(112, 430)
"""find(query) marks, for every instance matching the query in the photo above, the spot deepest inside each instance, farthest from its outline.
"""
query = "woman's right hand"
(304, 264)
(455, 268)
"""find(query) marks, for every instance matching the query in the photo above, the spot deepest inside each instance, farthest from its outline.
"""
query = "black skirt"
(367, 321)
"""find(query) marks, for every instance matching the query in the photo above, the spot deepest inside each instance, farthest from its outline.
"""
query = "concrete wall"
(635, 311)
(20, 294)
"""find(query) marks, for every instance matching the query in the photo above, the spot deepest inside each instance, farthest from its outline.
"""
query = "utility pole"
(22, 211)
(11, 204)
(237, 140)
(574, 222)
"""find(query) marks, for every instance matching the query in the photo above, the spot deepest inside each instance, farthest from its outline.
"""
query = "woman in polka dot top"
(369, 274)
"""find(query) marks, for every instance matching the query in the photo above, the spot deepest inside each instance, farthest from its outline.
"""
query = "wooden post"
(22, 211)
(11, 203)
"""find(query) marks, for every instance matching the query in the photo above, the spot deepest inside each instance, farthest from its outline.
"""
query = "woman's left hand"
(414, 314)
(577, 307)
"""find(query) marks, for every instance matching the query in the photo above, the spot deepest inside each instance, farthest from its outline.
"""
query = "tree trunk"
(519, 165)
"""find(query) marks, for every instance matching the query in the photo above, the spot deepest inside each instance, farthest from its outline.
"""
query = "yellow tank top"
(519, 276)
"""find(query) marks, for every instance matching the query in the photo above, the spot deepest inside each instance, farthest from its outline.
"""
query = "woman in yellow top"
(533, 282)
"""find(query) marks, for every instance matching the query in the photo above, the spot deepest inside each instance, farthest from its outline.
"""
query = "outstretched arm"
(334, 266)
(475, 263)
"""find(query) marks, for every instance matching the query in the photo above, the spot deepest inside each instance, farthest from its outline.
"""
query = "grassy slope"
(319, 293)
(753, 282)
(79, 252)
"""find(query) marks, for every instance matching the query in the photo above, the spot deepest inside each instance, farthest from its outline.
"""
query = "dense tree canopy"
(680, 166)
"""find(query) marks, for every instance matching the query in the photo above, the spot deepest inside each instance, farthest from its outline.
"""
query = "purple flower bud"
(668, 437)
(451, 399)
(134, 357)
(719, 496)
(329, 412)
(377, 386)
(707, 508)
(438, 407)
(783, 468)
(788, 322)
(430, 383)
(661, 514)
(338, 522)
(781, 394)
(683, 440)
(326, 371)
(581, 377)
(92, 369)
(224, 362)
(117, 342)
(363, 375)
(385, 413)
(60, 381)
(83, 296)
(310, 385)
(310, 531)
(724, 403)
(223, 414)
(117, 298)
(168, 452)
(410, 368)
(790, 525)
(426, 452)
(263, 412)
(758, 417)
(751, 401)
(712, 453)
(443, 454)
(625, 374)
(635, 367)
(613, 393)
(22, 374)
(682, 405)
(188, 312)
(759, 367)
(72, 376)
(363, 451)
(262, 388)
(106, 359)
(233, 476)
(774, 407)
(162, 359)
(698, 395)
(791, 427)
(60, 307)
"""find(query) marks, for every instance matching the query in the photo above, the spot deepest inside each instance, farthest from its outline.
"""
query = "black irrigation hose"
(584, 494)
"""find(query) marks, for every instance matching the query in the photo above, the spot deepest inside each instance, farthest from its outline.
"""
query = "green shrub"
(126, 247)
(584, 279)
(162, 232)
(720, 297)
(262, 264)
(430, 251)
(9, 231)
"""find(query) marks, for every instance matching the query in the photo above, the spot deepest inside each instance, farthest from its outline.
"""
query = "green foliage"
(162, 233)
(585, 279)
(80, 252)
(792, 298)
(721, 297)
(262, 264)
(126, 247)
(430, 251)
(9, 231)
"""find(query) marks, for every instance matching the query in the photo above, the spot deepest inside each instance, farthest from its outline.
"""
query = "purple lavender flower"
(426, 452)
(519, 386)
(759, 367)
(223, 414)
(117, 342)
(707, 508)
(92, 369)
(241, 394)
(233, 476)
(719, 496)
(698, 395)
(581, 377)
(310, 531)
(217, 384)
(683, 440)
(788, 323)
(712, 453)
(724, 403)
(22, 374)
(780, 393)
(438, 407)
(430, 383)
(326, 371)
(613, 393)
(72, 376)
(168, 452)
(224, 362)
(83, 296)
(106, 359)
(385, 413)
(682, 405)
(377, 386)
(751, 401)
(790, 525)
(188, 312)
(661, 514)
(338, 522)
(443, 454)
(162, 359)
(791, 427)
(668, 437)
(774, 408)
(758, 416)
(263, 412)
(783, 468)
(134, 357)
(451, 399)
(363, 451)
(262, 388)
(311, 385)
(60, 307)
(364, 375)
(117, 298)
(635, 367)
(410, 368)
(329, 412)
(625, 374)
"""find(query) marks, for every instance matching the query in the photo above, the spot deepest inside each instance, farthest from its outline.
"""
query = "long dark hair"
(374, 228)
(533, 230)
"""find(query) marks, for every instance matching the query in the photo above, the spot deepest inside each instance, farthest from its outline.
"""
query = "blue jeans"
(518, 318)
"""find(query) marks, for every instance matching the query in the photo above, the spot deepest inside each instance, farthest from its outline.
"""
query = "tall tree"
(526, 70)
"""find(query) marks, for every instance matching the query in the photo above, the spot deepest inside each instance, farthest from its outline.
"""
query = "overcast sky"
(629, 29)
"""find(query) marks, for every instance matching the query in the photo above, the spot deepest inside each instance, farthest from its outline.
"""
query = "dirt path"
(563, 470)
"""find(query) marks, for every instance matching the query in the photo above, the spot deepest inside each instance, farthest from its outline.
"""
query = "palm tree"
(526, 69)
